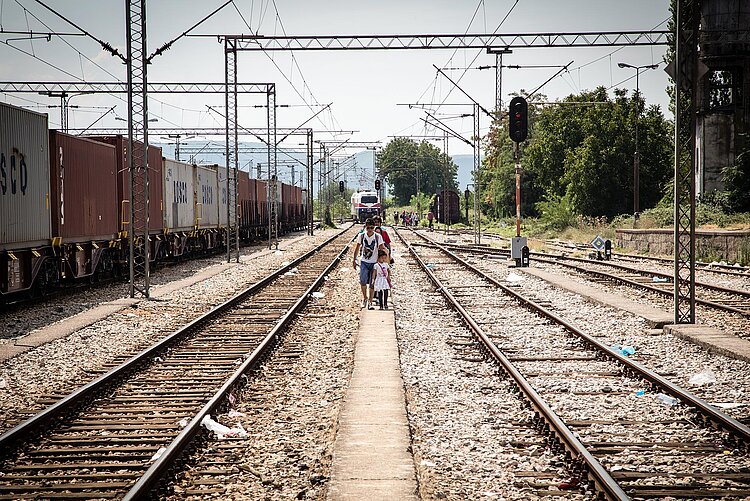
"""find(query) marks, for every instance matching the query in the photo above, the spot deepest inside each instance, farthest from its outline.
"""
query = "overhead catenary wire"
(105, 45)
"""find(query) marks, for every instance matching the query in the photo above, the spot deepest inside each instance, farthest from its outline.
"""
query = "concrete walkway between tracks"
(371, 455)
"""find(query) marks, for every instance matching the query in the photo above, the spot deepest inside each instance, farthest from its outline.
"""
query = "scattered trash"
(666, 399)
(222, 431)
(429, 464)
(659, 280)
(158, 359)
(571, 483)
(640, 393)
(158, 454)
(318, 295)
(3, 383)
(616, 467)
(345, 269)
(278, 253)
(295, 270)
(286, 263)
(623, 350)
(232, 399)
(702, 378)
(236, 414)
(513, 277)
(431, 266)
(183, 422)
(728, 405)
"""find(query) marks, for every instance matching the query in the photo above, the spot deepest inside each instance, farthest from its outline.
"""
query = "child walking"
(381, 279)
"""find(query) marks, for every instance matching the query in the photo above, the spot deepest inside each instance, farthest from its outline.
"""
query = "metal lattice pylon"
(230, 115)
(137, 153)
(309, 202)
(686, 61)
(477, 179)
(273, 202)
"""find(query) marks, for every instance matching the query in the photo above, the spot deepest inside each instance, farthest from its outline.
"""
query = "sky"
(365, 88)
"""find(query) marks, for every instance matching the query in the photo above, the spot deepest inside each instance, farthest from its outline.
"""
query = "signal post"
(518, 129)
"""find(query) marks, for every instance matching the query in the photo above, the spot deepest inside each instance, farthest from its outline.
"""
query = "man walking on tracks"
(368, 245)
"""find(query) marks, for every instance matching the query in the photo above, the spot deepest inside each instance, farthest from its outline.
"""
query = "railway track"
(122, 434)
(709, 295)
(630, 432)
(715, 268)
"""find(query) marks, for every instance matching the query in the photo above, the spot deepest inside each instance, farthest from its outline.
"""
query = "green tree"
(584, 152)
(404, 163)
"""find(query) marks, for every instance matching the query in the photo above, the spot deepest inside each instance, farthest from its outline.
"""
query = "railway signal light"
(518, 126)
(377, 185)
(341, 187)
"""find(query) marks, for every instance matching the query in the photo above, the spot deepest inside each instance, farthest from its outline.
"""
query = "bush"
(556, 213)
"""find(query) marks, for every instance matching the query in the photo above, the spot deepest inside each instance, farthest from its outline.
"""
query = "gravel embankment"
(470, 436)
(290, 407)
(56, 368)
(673, 357)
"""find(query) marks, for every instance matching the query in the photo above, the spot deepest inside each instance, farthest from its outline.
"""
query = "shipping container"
(24, 179)
(222, 189)
(179, 191)
(206, 196)
(243, 197)
(83, 187)
(155, 182)
(261, 194)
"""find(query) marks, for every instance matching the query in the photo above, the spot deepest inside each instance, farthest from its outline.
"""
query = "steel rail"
(722, 420)
(607, 276)
(77, 399)
(602, 479)
(155, 474)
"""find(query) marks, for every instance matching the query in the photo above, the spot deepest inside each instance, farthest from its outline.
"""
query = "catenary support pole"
(138, 234)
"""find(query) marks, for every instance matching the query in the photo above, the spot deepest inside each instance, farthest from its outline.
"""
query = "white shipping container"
(24, 179)
(206, 196)
(179, 192)
(223, 197)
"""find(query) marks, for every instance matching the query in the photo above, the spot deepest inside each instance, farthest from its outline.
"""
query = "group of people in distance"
(407, 218)
(374, 252)
(412, 218)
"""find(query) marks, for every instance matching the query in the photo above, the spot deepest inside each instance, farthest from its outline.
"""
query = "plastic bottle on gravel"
(666, 399)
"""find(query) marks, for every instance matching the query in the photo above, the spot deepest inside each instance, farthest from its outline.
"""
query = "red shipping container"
(261, 195)
(243, 186)
(252, 202)
(155, 182)
(83, 184)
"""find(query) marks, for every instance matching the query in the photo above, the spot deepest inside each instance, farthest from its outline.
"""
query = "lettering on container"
(15, 177)
(180, 192)
(62, 188)
(208, 194)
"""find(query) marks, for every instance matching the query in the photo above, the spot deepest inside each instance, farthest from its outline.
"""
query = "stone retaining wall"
(725, 245)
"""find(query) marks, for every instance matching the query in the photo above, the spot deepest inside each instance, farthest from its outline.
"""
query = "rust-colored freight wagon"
(261, 194)
(83, 185)
(84, 188)
(155, 183)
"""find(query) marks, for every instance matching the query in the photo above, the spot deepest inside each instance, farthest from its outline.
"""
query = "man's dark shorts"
(365, 272)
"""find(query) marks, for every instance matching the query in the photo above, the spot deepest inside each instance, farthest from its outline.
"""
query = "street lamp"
(636, 155)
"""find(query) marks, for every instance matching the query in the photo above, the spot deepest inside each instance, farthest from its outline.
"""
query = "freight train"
(64, 206)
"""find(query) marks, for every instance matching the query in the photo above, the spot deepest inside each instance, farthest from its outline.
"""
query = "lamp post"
(636, 155)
